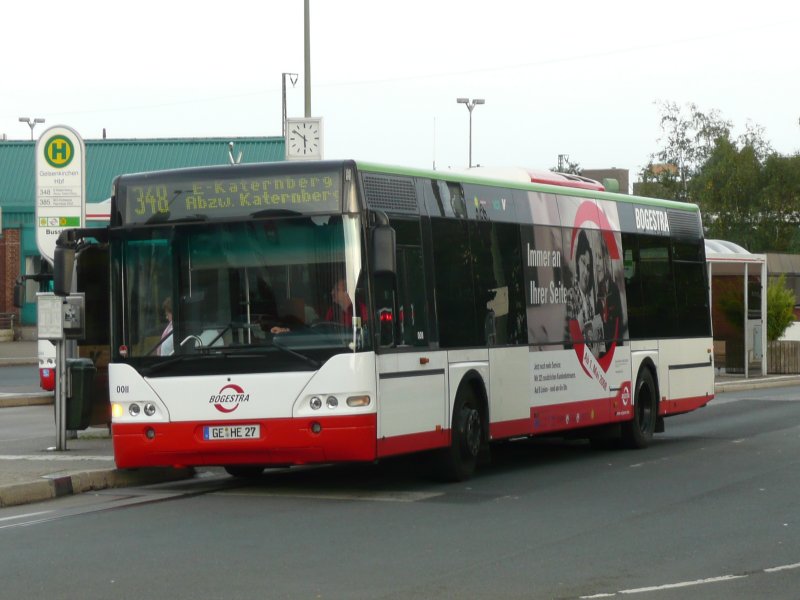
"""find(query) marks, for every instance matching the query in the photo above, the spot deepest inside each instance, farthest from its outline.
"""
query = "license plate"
(231, 432)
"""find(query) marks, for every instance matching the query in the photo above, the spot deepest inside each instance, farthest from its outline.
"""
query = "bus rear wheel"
(638, 433)
(458, 461)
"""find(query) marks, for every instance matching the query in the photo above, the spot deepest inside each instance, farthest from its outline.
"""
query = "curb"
(754, 384)
(87, 481)
(21, 399)
(18, 362)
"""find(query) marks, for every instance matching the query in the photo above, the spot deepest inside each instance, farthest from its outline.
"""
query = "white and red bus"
(344, 311)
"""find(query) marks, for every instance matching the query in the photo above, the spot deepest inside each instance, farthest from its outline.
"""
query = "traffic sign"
(60, 186)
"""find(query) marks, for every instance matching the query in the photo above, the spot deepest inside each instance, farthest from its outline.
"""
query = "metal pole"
(764, 287)
(293, 79)
(470, 104)
(283, 105)
(61, 395)
(470, 107)
(307, 59)
(746, 333)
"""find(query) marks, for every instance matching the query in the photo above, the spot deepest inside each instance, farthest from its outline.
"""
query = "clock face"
(303, 138)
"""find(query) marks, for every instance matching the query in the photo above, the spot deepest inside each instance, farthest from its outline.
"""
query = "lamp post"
(31, 123)
(470, 105)
(293, 78)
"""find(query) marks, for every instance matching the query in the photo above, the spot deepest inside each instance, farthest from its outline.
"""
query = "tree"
(779, 225)
(727, 188)
(780, 308)
(688, 139)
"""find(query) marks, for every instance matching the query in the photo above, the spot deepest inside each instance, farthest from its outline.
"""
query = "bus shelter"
(738, 299)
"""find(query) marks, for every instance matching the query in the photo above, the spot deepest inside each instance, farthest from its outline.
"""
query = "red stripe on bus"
(682, 405)
(282, 441)
(413, 442)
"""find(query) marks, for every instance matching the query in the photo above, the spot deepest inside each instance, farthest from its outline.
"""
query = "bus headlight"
(149, 409)
(134, 409)
(331, 402)
(316, 403)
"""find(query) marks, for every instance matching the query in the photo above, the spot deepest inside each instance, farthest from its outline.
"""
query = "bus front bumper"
(280, 442)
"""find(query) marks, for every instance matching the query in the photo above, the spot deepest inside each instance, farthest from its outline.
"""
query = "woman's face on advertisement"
(584, 270)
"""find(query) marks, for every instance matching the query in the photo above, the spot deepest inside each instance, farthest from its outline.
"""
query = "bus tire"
(244, 471)
(457, 462)
(638, 432)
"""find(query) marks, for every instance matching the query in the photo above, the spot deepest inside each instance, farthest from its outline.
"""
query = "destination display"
(150, 200)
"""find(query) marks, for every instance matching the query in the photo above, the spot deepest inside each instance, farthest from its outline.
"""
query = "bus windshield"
(261, 286)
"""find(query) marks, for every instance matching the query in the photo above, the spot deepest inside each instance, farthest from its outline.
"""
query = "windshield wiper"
(225, 351)
(161, 365)
(244, 349)
(223, 331)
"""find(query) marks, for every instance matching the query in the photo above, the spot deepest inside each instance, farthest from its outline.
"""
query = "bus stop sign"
(60, 186)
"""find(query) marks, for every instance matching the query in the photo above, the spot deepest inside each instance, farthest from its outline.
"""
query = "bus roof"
(510, 177)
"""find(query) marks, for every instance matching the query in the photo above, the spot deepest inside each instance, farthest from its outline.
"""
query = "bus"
(299, 313)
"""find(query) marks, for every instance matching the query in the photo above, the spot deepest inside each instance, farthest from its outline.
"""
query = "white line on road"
(782, 568)
(682, 584)
(26, 515)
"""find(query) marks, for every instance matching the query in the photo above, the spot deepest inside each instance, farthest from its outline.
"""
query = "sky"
(580, 78)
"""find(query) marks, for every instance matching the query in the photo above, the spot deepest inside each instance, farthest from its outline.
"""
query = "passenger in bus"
(341, 309)
(166, 346)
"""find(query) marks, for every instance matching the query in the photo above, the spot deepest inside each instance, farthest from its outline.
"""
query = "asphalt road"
(711, 510)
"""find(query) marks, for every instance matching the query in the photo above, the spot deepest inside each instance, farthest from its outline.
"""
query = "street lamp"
(470, 105)
(293, 78)
(31, 123)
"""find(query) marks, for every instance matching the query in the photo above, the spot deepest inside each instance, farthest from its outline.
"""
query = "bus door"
(412, 389)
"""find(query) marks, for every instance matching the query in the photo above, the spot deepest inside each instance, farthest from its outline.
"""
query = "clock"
(304, 139)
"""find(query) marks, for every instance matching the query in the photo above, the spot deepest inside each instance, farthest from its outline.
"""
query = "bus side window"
(450, 198)
(457, 200)
(400, 300)
(412, 314)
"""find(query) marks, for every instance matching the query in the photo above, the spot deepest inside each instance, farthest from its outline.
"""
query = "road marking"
(682, 584)
(55, 457)
(782, 568)
(26, 515)
(365, 496)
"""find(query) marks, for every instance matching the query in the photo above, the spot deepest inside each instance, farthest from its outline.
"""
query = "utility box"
(80, 391)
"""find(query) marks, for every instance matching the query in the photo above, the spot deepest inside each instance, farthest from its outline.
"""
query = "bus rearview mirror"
(383, 257)
(63, 264)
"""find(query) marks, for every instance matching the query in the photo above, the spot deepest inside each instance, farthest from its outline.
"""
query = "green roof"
(105, 159)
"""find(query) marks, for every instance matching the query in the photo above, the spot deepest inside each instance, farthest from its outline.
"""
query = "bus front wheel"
(638, 433)
(458, 461)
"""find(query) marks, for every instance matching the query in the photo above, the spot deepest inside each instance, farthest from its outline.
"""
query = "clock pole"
(307, 58)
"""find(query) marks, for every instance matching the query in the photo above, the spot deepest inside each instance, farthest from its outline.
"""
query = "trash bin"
(80, 382)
